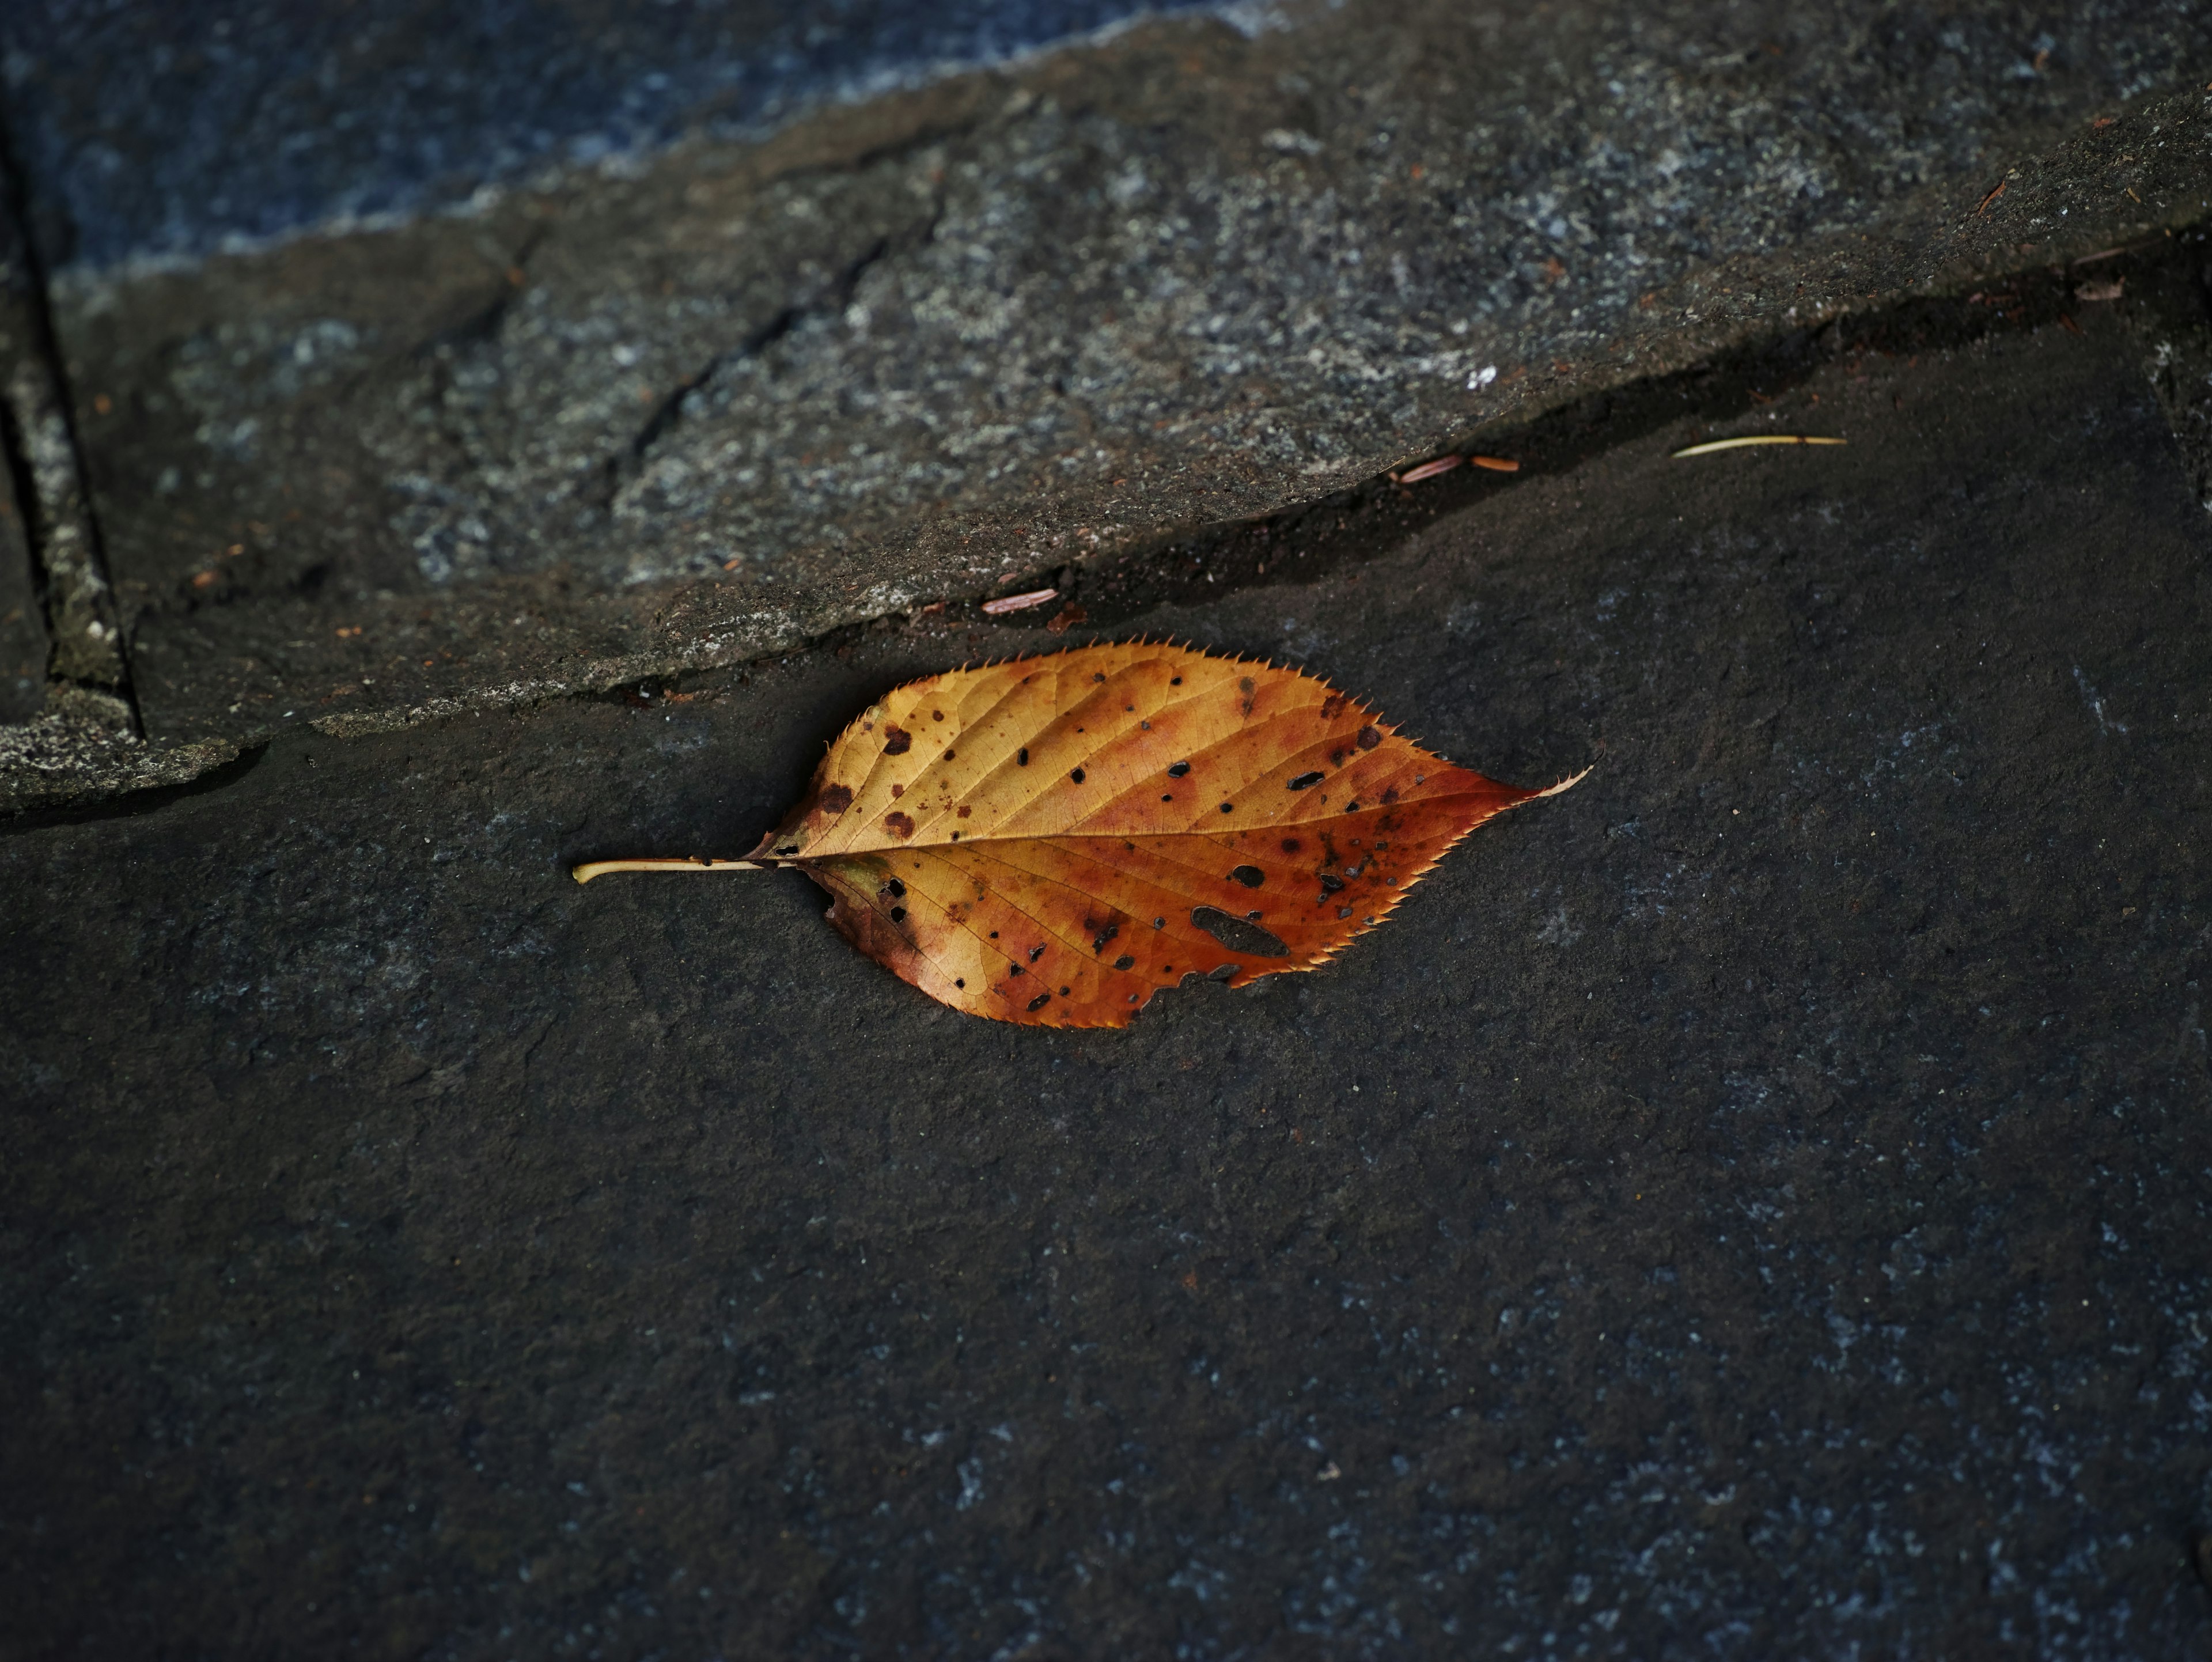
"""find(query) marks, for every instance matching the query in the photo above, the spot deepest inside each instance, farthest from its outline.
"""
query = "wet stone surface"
(1753, 1204)
(620, 420)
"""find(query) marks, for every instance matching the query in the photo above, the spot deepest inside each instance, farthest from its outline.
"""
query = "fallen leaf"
(1052, 840)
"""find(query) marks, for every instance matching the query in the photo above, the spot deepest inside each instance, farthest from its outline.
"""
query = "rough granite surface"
(1753, 1205)
(703, 399)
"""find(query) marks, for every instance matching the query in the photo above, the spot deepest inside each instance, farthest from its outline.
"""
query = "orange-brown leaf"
(1054, 839)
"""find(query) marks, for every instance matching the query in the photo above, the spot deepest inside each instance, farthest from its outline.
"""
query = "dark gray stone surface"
(731, 395)
(1753, 1205)
(173, 128)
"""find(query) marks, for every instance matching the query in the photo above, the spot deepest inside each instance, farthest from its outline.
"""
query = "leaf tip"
(1569, 782)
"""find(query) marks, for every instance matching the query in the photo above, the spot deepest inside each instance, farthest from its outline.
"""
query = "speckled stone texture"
(1753, 1205)
(710, 395)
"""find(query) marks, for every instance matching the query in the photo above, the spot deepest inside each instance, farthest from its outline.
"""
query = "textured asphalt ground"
(1753, 1205)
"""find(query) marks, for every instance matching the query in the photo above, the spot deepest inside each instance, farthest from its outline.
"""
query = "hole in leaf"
(1178, 770)
(1124, 962)
(1077, 776)
(898, 914)
(1303, 782)
(1022, 756)
(1039, 1001)
(1251, 876)
(1239, 935)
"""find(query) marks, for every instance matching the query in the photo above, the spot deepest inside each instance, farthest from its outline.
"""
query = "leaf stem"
(694, 862)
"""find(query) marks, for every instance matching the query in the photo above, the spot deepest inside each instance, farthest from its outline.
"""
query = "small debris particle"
(1497, 464)
(999, 608)
(1067, 619)
(1427, 470)
(1992, 197)
(1711, 445)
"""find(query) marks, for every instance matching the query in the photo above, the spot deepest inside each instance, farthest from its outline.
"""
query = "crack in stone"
(88, 672)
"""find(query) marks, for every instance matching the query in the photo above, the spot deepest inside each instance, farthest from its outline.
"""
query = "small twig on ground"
(1711, 445)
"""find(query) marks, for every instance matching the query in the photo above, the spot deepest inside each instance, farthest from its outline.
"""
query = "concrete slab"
(1751, 1204)
(726, 395)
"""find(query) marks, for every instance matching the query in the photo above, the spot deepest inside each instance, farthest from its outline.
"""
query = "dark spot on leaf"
(1167, 799)
(1063, 992)
(1330, 705)
(1352, 806)
(1239, 935)
(1039, 1001)
(1160, 922)
(836, 799)
(958, 983)
(899, 824)
(937, 716)
(1013, 969)
(1229, 808)
(994, 934)
(1290, 845)
(1124, 962)
(1178, 770)
(897, 741)
(1369, 738)
(1022, 756)
(1098, 675)
(1174, 681)
(898, 914)
(1251, 876)
(948, 756)
(1077, 776)
(1389, 796)
(897, 790)
(1098, 942)
(1303, 782)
